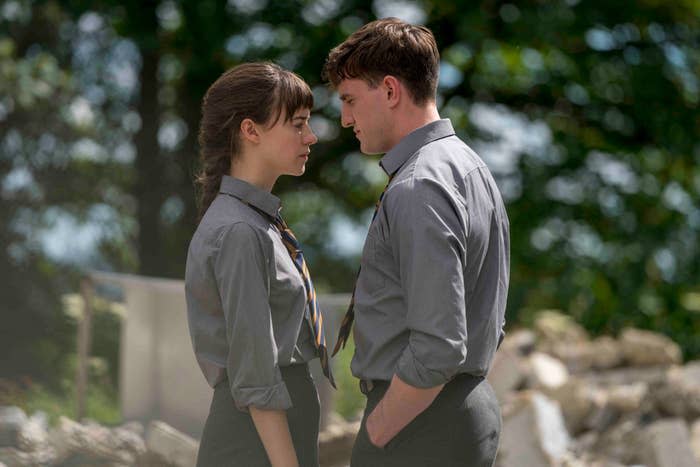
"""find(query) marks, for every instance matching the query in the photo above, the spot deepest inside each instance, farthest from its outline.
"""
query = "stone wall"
(572, 401)
(567, 401)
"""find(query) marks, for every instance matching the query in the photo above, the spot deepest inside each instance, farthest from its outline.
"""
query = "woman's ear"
(249, 131)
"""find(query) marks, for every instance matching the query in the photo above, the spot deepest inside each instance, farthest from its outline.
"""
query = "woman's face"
(286, 145)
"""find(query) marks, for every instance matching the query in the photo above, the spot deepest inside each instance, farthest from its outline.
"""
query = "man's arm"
(401, 404)
(274, 433)
(428, 240)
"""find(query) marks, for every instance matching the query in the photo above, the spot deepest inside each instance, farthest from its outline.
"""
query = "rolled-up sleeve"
(428, 226)
(242, 270)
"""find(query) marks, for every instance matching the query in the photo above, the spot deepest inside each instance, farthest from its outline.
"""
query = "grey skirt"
(231, 440)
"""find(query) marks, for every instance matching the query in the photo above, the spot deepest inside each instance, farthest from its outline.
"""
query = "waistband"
(289, 371)
(368, 385)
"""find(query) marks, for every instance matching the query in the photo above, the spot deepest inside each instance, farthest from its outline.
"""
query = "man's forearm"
(401, 404)
(273, 430)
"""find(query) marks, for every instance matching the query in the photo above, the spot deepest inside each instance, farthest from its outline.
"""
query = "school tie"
(315, 313)
(346, 325)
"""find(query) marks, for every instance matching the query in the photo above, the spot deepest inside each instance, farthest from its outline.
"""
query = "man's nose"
(346, 119)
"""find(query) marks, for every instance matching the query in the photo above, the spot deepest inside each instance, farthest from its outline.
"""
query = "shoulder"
(229, 218)
(242, 235)
(446, 159)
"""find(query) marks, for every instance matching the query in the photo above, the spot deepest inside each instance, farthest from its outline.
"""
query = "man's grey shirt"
(431, 295)
(246, 302)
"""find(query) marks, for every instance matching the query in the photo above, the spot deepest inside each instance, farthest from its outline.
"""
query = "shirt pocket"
(372, 280)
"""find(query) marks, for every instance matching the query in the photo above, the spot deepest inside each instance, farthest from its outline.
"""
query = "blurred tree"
(587, 112)
(596, 150)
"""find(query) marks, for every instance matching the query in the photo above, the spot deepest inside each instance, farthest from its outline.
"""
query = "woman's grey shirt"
(246, 302)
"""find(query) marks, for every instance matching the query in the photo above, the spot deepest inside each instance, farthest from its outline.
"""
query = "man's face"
(364, 108)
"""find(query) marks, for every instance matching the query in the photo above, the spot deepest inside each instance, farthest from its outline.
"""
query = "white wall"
(158, 376)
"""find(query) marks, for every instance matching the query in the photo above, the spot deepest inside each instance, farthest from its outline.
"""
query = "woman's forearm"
(273, 430)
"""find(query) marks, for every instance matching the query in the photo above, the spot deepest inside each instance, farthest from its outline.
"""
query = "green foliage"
(587, 113)
(101, 402)
(348, 400)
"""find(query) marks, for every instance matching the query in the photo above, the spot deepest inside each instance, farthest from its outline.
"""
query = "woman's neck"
(252, 174)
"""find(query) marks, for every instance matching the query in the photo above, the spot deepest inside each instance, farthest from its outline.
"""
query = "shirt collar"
(251, 194)
(409, 144)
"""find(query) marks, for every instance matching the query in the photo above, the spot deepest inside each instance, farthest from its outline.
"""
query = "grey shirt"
(431, 295)
(246, 303)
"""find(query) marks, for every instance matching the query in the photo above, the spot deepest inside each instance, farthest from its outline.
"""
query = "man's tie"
(292, 245)
(346, 325)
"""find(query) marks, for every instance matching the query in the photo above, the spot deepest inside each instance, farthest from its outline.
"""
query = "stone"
(667, 444)
(34, 434)
(505, 374)
(619, 442)
(336, 442)
(602, 417)
(171, 445)
(134, 427)
(643, 348)
(552, 326)
(627, 397)
(13, 457)
(12, 419)
(92, 444)
(579, 356)
(577, 400)
(651, 375)
(534, 433)
(695, 439)
(606, 353)
(519, 341)
(680, 395)
(546, 372)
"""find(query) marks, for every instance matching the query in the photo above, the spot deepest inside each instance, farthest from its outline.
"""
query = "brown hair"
(261, 91)
(388, 47)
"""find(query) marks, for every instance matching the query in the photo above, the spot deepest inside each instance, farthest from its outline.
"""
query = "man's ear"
(249, 131)
(393, 89)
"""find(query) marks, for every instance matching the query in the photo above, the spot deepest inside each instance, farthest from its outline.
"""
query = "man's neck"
(412, 117)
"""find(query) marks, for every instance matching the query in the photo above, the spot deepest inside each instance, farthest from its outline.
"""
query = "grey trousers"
(460, 429)
(231, 440)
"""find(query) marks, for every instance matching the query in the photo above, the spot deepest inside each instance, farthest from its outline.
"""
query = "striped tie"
(346, 325)
(292, 245)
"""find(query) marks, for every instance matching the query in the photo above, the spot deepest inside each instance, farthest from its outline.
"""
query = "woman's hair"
(260, 91)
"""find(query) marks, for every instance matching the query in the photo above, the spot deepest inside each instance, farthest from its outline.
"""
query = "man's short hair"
(388, 47)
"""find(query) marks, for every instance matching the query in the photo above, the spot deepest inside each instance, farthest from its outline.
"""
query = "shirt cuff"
(412, 371)
(264, 397)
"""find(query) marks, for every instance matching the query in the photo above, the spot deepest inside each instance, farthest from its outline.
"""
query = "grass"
(101, 403)
(349, 400)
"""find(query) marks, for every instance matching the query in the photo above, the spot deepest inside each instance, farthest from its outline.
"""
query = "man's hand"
(374, 429)
(399, 406)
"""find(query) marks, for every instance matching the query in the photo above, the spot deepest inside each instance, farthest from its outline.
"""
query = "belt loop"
(366, 386)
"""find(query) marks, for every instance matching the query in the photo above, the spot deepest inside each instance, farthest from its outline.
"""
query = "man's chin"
(370, 151)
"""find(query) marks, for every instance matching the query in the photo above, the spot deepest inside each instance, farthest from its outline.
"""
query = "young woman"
(252, 310)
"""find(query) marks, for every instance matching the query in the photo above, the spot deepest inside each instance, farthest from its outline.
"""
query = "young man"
(429, 301)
